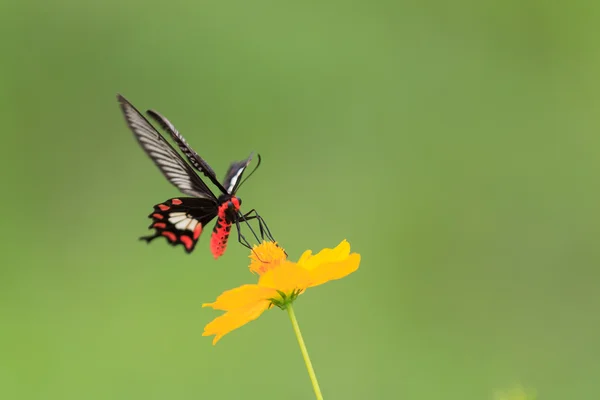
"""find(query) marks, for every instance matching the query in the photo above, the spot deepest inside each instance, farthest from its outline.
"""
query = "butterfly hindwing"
(181, 220)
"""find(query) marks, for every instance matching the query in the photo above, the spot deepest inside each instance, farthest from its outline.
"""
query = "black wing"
(233, 177)
(181, 220)
(191, 155)
(166, 158)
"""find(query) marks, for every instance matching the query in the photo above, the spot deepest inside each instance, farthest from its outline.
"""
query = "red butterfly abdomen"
(218, 240)
(225, 217)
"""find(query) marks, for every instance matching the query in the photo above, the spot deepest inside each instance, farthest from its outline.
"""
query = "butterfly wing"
(233, 177)
(193, 157)
(166, 158)
(181, 220)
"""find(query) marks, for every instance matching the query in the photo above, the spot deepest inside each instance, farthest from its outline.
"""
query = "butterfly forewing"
(181, 220)
(233, 177)
(173, 167)
(185, 148)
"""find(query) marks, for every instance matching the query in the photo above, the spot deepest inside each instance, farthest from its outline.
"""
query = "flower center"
(266, 256)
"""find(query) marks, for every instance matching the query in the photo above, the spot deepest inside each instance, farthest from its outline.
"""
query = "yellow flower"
(280, 282)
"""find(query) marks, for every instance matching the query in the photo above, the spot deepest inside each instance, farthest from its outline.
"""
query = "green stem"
(309, 367)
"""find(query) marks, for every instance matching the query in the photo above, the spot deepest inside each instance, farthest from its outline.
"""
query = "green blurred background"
(455, 145)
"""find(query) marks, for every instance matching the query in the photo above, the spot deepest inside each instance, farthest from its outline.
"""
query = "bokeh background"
(455, 145)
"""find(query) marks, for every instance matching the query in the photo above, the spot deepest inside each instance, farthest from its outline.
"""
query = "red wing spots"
(181, 221)
(187, 242)
(169, 235)
(197, 231)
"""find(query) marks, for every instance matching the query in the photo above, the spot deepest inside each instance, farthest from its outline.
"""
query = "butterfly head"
(229, 208)
(234, 204)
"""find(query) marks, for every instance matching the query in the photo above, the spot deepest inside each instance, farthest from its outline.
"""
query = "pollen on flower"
(266, 256)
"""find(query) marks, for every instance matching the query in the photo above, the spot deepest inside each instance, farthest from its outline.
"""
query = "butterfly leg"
(262, 225)
(264, 228)
(241, 238)
(246, 218)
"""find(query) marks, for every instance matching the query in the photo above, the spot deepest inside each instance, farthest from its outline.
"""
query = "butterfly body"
(181, 220)
(226, 216)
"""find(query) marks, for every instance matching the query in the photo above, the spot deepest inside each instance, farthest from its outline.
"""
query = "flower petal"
(286, 278)
(340, 253)
(335, 270)
(241, 297)
(232, 320)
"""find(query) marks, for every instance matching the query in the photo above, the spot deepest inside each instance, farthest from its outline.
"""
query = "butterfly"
(181, 220)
